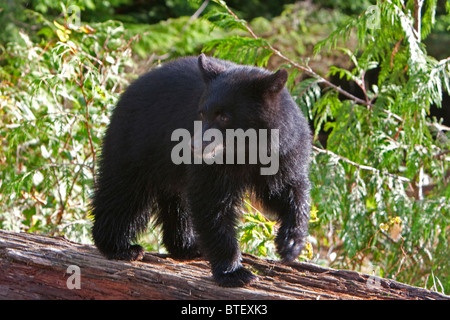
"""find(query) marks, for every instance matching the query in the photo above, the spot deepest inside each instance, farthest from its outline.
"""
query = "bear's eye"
(223, 118)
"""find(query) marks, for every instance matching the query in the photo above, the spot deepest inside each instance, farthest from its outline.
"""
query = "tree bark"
(38, 267)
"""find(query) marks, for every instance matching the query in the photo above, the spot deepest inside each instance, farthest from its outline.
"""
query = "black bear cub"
(146, 171)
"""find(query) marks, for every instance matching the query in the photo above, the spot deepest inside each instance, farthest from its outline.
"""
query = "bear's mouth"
(213, 150)
(210, 151)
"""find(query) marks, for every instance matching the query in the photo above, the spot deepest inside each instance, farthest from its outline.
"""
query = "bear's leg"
(293, 210)
(214, 216)
(120, 209)
(177, 230)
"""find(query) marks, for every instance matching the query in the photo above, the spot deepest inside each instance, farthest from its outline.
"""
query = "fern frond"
(306, 93)
(242, 50)
(225, 20)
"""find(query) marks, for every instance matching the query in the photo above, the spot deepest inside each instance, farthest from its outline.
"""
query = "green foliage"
(55, 97)
(257, 233)
(385, 159)
(345, 5)
(392, 139)
(172, 38)
(258, 8)
(246, 50)
(240, 49)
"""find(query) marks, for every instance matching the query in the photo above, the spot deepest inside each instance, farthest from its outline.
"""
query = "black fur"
(196, 204)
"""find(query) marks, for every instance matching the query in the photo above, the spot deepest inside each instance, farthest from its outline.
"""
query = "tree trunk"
(41, 267)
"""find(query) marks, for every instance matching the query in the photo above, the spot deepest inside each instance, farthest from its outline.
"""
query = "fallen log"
(42, 267)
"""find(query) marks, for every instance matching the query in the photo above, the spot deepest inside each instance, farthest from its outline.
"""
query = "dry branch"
(35, 267)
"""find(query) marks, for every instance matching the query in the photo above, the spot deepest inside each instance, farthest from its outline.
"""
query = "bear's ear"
(209, 68)
(275, 82)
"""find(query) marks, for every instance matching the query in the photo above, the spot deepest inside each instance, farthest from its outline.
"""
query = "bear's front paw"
(289, 244)
(189, 253)
(136, 253)
(237, 278)
(132, 253)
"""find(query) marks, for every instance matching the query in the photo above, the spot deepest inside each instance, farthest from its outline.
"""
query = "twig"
(417, 18)
(360, 166)
(394, 52)
(199, 11)
(88, 127)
